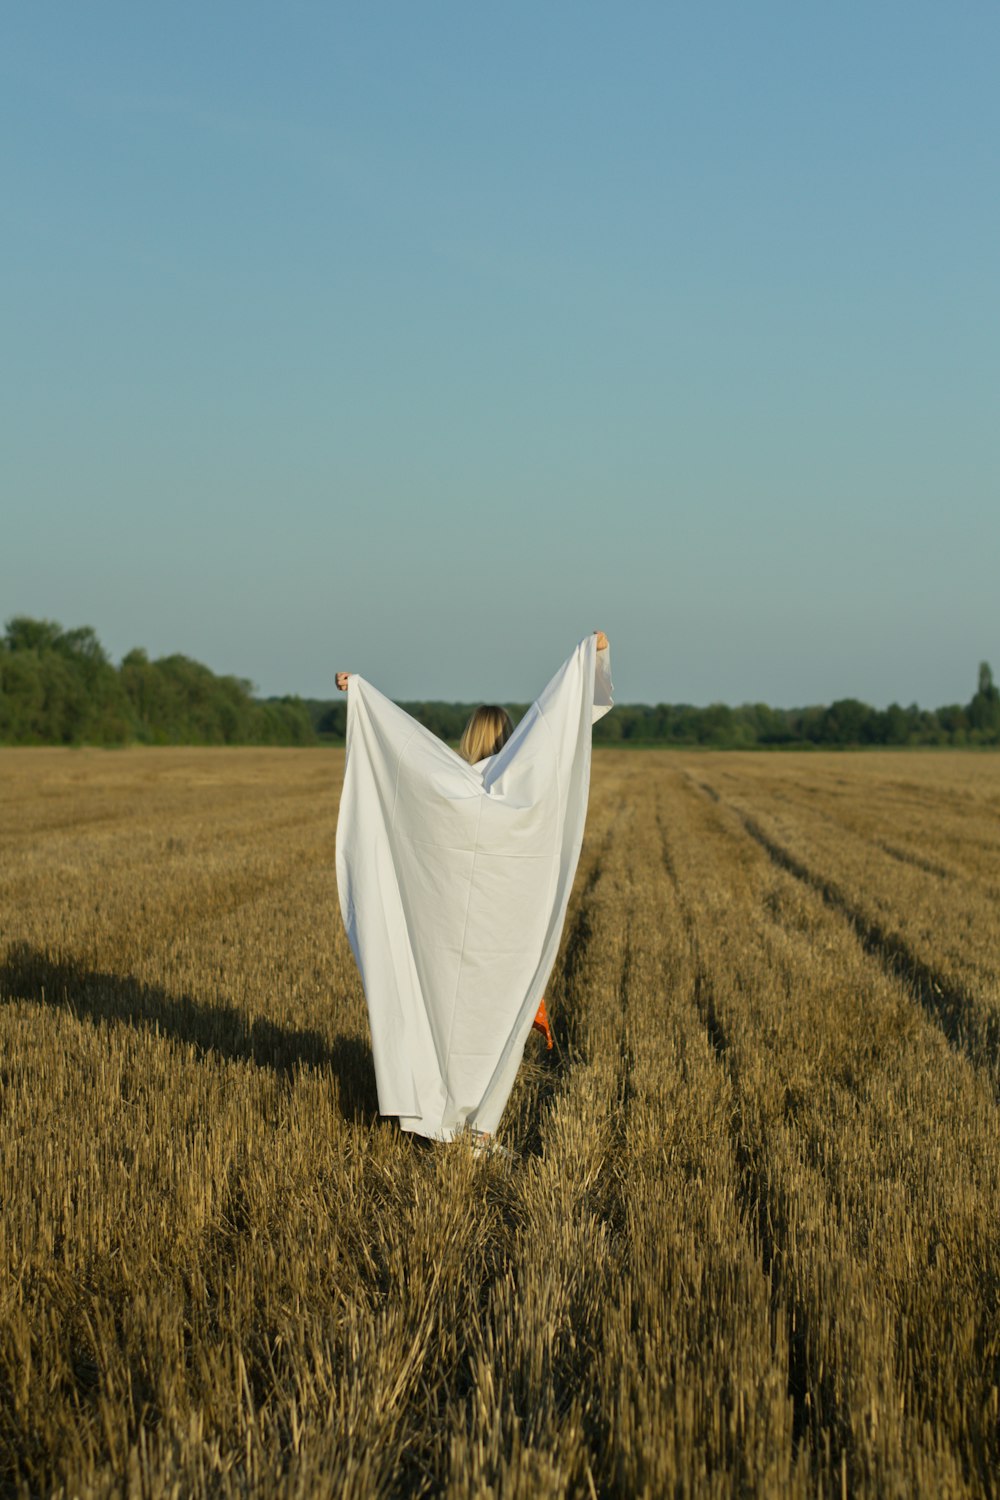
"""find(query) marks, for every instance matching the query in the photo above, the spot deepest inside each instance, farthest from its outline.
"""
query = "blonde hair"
(487, 731)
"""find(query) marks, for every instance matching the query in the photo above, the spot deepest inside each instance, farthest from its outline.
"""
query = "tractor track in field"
(967, 1026)
(870, 840)
(948, 1006)
(762, 1212)
(554, 1069)
(965, 1023)
(704, 997)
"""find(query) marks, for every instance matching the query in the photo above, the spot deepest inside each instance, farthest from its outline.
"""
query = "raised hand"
(602, 640)
(341, 680)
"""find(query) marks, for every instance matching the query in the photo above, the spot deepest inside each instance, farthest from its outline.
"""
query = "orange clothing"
(541, 1023)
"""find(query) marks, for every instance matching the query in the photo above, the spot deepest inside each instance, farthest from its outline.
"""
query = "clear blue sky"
(421, 339)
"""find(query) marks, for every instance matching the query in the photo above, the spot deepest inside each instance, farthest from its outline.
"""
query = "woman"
(486, 733)
(454, 873)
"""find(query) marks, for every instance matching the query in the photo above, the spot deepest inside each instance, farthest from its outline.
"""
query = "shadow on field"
(31, 974)
(351, 1060)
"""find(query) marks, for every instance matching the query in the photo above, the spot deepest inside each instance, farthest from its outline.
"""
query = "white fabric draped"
(454, 882)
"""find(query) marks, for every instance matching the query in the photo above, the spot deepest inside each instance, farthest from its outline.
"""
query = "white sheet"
(453, 882)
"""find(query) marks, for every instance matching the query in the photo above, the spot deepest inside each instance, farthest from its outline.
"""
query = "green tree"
(984, 710)
(24, 634)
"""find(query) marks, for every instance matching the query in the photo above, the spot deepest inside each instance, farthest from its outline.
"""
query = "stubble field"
(749, 1243)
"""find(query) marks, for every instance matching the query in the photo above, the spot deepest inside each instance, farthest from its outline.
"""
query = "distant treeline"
(846, 722)
(58, 687)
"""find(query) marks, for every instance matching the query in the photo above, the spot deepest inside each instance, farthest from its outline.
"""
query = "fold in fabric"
(453, 882)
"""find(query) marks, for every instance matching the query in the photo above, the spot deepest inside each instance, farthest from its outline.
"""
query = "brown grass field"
(749, 1243)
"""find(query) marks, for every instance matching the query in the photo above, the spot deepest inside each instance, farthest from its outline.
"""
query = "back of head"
(487, 731)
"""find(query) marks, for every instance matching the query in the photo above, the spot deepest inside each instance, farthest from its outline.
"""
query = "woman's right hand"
(341, 680)
(602, 640)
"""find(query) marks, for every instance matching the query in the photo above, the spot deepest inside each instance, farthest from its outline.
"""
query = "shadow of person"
(351, 1059)
(32, 974)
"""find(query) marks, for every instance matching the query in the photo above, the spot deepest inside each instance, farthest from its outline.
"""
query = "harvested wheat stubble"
(748, 1243)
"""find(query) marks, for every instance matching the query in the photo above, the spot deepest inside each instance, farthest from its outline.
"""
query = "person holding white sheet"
(454, 878)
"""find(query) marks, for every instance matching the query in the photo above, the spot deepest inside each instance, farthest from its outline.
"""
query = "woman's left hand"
(341, 680)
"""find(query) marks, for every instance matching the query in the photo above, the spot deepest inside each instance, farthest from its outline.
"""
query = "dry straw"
(748, 1243)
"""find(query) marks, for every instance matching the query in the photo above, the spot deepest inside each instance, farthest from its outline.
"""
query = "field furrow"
(827, 1059)
(940, 934)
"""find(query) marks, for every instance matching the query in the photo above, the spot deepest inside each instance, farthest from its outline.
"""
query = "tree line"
(59, 687)
(848, 722)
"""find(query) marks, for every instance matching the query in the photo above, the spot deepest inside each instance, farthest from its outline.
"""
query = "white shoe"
(484, 1144)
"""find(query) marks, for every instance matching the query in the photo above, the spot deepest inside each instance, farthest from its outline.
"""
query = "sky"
(421, 340)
